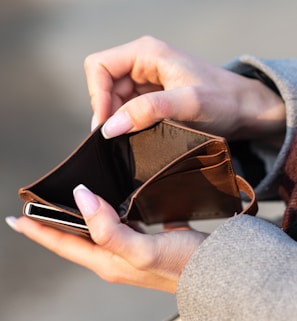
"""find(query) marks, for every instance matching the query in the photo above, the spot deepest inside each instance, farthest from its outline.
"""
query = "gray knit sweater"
(247, 268)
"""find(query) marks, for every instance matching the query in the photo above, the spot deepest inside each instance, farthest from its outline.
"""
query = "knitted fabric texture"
(288, 190)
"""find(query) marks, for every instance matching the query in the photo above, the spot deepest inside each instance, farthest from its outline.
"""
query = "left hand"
(137, 84)
(116, 252)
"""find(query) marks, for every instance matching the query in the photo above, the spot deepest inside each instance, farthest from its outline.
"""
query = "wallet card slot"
(195, 162)
(126, 168)
(156, 147)
(196, 194)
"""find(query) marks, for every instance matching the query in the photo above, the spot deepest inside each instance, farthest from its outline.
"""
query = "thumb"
(98, 214)
(105, 226)
(147, 109)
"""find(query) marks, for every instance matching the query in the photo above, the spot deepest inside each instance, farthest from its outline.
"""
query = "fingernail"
(86, 201)
(11, 222)
(94, 122)
(117, 124)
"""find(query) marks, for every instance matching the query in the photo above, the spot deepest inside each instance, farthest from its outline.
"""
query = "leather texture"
(165, 173)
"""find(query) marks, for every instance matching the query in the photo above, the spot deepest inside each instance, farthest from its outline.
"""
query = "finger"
(100, 84)
(72, 247)
(145, 110)
(125, 89)
(109, 233)
(102, 69)
(140, 59)
(77, 249)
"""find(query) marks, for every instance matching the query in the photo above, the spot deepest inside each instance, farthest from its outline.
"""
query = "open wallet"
(165, 173)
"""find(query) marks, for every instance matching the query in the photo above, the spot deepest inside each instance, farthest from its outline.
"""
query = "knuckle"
(148, 39)
(89, 61)
(152, 43)
(97, 60)
(102, 235)
(157, 105)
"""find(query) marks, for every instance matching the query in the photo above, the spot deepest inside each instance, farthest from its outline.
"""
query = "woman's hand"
(147, 80)
(117, 253)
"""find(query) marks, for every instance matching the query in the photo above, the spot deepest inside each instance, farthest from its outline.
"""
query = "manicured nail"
(11, 222)
(118, 124)
(86, 201)
(94, 122)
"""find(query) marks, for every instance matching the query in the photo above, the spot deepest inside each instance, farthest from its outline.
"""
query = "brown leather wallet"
(165, 173)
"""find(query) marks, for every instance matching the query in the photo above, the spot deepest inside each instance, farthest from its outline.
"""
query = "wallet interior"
(114, 168)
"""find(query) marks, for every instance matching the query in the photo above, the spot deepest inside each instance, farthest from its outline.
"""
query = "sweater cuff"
(230, 275)
(280, 76)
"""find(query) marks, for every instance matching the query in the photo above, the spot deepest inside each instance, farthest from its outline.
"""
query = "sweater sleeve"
(245, 270)
(281, 76)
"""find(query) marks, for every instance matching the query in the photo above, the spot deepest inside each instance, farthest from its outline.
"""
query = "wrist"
(262, 112)
(175, 248)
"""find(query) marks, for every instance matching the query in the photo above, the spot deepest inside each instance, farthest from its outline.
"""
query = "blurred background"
(45, 113)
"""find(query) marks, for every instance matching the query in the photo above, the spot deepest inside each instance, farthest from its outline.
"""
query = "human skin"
(117, 252)
(131, 87)
(147, 80)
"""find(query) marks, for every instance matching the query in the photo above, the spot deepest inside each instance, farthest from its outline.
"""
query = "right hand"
(116, 252)
(146, 80)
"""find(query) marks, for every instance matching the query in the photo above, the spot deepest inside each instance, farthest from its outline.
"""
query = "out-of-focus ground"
(45, 113)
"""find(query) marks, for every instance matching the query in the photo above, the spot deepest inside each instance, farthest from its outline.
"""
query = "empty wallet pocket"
(195, 162)
(197, 193)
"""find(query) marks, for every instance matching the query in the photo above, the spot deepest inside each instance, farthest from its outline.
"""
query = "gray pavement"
(45, 113)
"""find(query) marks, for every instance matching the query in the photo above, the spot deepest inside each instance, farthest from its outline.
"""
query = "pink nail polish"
(11, 222)
(86, 201)
(94, 122)
(118, 124)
